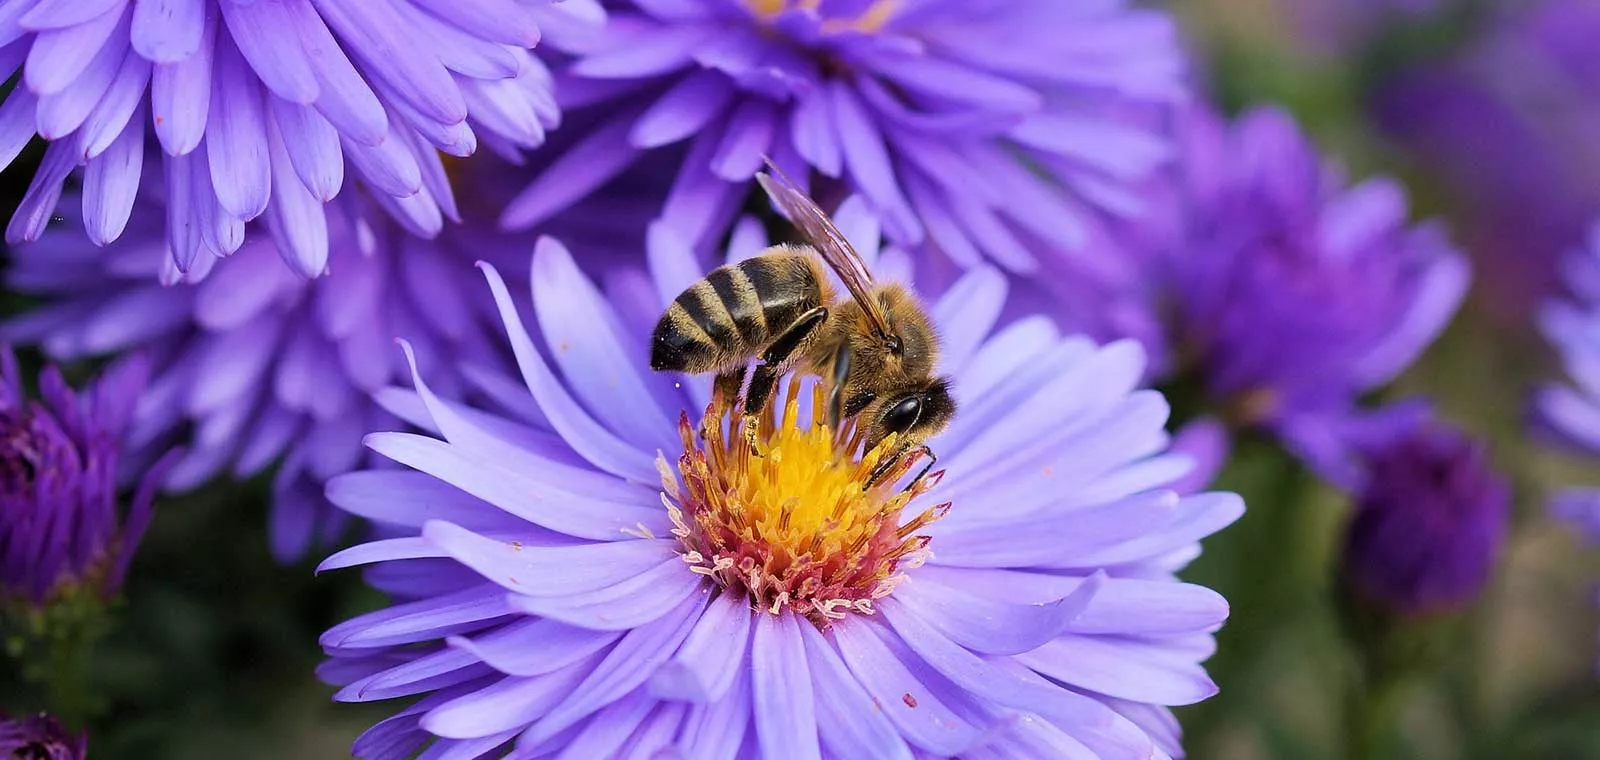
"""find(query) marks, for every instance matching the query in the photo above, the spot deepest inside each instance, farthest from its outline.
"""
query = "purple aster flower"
(581, 573)
(62, 529)
(40, 737)
(986, 130)
(259, 107)
(1570, 413)
(1507, 125)
(1430, 517)
(1288, 291)
(252, 364)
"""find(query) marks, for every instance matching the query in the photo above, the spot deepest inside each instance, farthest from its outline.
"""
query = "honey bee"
(878, 347)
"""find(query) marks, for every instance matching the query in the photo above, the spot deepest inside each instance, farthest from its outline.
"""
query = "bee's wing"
(828, 241)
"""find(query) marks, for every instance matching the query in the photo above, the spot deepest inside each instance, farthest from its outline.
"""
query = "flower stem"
(1370, 713)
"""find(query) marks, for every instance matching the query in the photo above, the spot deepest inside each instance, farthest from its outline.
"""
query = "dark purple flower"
(40, 737)
(1286, 291)
(987, 130)
(1430, 518)
(260, 107)
(62, 528)
(1508, 126)
(581, 574)
(254, 365)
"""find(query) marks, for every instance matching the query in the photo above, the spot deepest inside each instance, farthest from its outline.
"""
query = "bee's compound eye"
(903, 415)
(894, 344)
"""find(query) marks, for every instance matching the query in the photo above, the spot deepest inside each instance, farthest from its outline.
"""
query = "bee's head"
(913, 414)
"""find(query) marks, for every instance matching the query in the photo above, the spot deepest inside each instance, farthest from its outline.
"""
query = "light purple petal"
(346, 99)
(180, 96)
(994, 626)
(57, 14)
(63, 110)
(930, 725)
(587, 343)
(1125, 668)
(369, 30)
(168, 31)
(507, 22)
(582, 432)
(624, 669)
(424, 620)
(113, 114)
(1112, 738)
(267, 39)
(236, 137)
(633, 602)
(110, 184)
(1052, 540)
(60, 56)
(785, 708)
(851, 725)
(601, 155)
(550, 571)
(705, 667)
(296, 217)
(313, 146)
(716, 730)
(535, 647)
(16, 123)
(389, 166)
(682, 111)
(410, 499)
(44, 192)
(605, 732)
(511, 703)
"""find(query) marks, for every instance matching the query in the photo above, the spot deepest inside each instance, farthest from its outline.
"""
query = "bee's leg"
(841, 370)
(724, 393)
(889, 462)
(775, 361)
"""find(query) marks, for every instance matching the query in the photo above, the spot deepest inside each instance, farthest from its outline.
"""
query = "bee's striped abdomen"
(731, 315)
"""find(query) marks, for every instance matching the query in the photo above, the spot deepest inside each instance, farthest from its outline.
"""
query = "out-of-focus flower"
(1430, 518)
(259, 108)
(63, 532)
(1288, 292)
(986, 130)
(1570, 413)
(584, 574)
(40, 737)
(252, 364)
(1508, 126)
(1341, 27)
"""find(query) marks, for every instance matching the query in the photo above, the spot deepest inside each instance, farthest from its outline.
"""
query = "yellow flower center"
(798, 521)
(870, 19)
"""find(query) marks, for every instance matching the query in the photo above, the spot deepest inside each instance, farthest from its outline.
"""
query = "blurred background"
(1489, 110)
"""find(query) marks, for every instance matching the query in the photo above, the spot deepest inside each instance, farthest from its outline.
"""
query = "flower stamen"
(801, 525)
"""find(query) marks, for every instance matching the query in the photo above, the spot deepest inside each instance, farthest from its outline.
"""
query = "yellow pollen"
(795, 523)
(869, 20)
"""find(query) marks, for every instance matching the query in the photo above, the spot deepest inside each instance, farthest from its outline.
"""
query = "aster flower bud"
(1429, 522)
(40, 737)
(59, 521)
(65, 544)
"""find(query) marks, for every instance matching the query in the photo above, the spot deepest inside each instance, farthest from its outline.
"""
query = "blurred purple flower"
(550, 596)
(40, 737)
(259, 106)
(253, 364)
(1508, 125)
(1569, 413)
(1430, 517)
(62, 529)
(987, 130)
(1286, 291)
